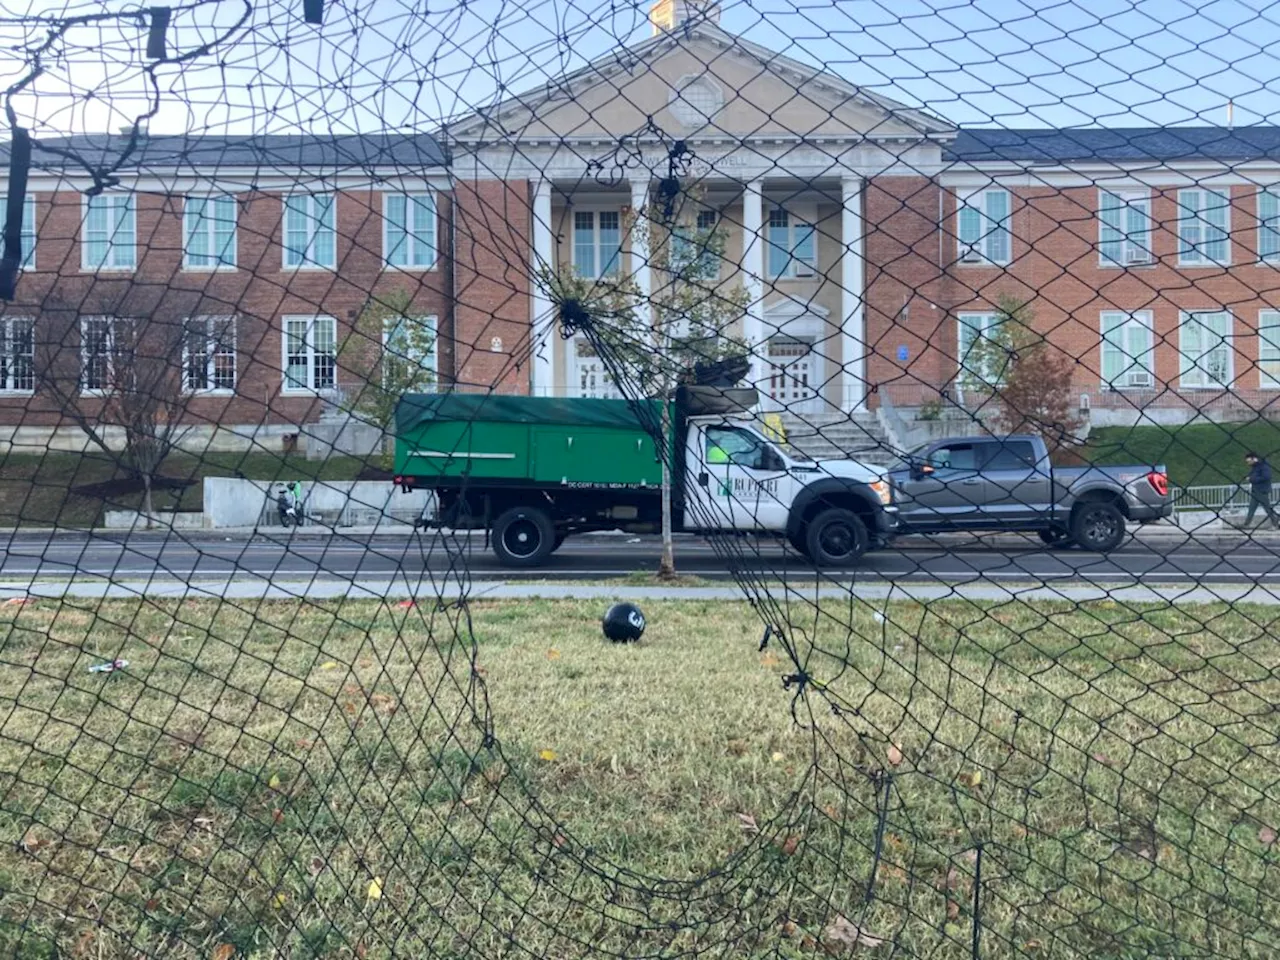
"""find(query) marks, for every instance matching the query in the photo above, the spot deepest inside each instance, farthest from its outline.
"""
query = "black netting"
(560, 481)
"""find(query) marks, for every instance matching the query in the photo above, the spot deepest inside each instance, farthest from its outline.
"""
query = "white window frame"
(415, 242)
(1188, 366)
(114, 259)
(431, 361)
(1189, 216)
(221, 262)
(608, 388)
(701, 263)
(1269, 318)
(987, 318)
(1131, 366)
(7, 379)
(598, 255)
(1268, 222)
(310, 388)
(112, 352)
(800, 217)
(988, 229)
(1135, 246)
(306, 258)
(211, 354)
(30, 232)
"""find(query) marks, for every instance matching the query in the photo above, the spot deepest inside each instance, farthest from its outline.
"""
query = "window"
(410, 355)
(1125, 227)
(1269, 347)
(689, 249)
(309, 239)
(310, 353)
(102, 354)
(209, 354)
(1204, 342)
(957, 456)
(409, 237)
(17, 355)
(597, 243)
(110, 231)
(593, 378)
(1128, 354)
(980, 358)
(1010, 455)
(738, 447)
(29, 232)
(210, 227)
(792, 246)
(1203, 226)
(1269, 224)
(983, 227)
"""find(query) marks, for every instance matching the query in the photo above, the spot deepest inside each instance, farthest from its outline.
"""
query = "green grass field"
(298, 780)
(38, 490)
(1203, 454)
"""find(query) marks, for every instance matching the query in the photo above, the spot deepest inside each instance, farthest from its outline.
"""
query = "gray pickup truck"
(1008, 483)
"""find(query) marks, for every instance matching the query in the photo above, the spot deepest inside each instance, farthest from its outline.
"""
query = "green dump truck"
(533, 471)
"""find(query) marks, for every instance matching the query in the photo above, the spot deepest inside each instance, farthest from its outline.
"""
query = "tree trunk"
(147, 506)
(667, 568)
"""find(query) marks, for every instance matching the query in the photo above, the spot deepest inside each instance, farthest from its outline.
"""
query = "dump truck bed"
(442, 439)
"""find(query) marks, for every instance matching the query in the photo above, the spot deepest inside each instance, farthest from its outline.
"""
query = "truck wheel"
(560, 538)
(1098, 527)
(523, 537)
(836, 537)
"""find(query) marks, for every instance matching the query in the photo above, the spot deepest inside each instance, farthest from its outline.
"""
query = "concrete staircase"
(833, 436)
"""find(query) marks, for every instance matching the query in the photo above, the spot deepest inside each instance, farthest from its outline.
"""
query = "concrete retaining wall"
(340, 503)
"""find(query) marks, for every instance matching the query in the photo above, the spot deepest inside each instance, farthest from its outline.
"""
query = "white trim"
(228, 180)
(386, 223)
(981, 251)
(6, 373)
(310, 389)
(1266, 382)
(1149, 174)
(1128, 247)
(753, 267)
(457, 453)
(853, 361)
(1229, 345)
(798, 212)
(1274, 191)
(598, 265)
(542, 253)
(1183, 215)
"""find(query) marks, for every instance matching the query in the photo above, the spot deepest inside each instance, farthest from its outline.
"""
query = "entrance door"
(589, 376)
(793, 376)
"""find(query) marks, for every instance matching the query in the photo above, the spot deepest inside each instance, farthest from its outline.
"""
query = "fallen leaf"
(304, 744)
(777, 757)
(278, 901)
(151, 904)
(547, 755)
(553, 654)
(789, 928)
(953, 910)
(748, 823)
(850, 934)
(274, 782)
(770, 659)
(328, 665)
(375, 888)
(558, 840)
(1103, 759)
(384, 703)
(30, 843)
(953, 878)
(971, 780)
(277, 815)
(1267, 836)
(361, 951)
(223, 951)
(1033, 945)
(789, 846)
(406, 604)
(317, 865)
(894, 755)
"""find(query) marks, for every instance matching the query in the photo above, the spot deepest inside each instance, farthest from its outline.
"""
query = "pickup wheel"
(836, 537)
(523, 537)
(1098, 527)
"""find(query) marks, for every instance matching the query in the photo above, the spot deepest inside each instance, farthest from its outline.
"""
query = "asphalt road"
(303, 558)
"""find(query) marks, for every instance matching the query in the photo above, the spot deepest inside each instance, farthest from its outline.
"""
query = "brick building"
(249, 261)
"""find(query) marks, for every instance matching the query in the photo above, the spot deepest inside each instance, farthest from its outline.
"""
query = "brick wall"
(260, 292)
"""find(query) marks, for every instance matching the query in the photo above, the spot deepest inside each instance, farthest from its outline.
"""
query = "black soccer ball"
(623, 623)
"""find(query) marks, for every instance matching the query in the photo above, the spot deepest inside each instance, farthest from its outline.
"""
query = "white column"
(753, 279)
(852, 316)
(541, 320)
(640, 238)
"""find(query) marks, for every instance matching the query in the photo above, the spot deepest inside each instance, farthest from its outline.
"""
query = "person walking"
(1259, 489)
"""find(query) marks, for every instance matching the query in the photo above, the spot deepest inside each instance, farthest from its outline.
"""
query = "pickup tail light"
(1159, 482)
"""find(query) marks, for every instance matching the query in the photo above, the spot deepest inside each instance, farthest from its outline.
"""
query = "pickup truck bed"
(1009, 483)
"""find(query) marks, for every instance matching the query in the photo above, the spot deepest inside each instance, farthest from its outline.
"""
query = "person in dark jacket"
(1259, 489)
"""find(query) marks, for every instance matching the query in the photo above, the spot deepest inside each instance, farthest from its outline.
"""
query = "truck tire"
(523, 537)
(1098, 526)
(836, 537)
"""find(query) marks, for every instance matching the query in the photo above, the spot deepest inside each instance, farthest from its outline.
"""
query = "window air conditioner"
(1137, 378)
(1136, 256)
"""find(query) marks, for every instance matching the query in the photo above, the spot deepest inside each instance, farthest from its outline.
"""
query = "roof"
(626, 58)
(1116, 144)
(410, 151)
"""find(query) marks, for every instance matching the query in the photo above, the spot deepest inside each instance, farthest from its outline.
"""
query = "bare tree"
(120, 361)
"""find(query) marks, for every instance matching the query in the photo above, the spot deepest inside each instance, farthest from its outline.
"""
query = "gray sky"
(401, 64)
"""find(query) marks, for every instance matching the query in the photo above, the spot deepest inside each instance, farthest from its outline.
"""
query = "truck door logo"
(748, 487)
